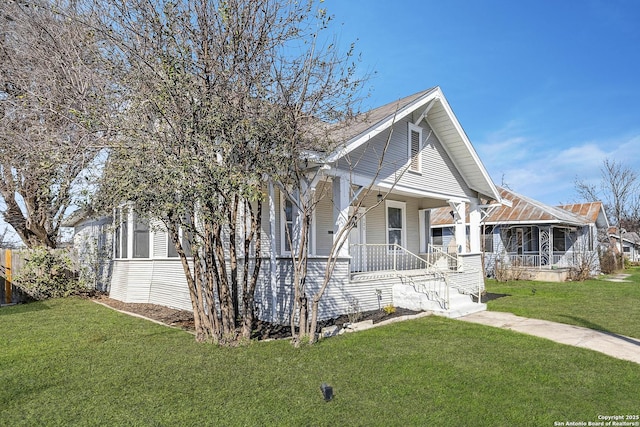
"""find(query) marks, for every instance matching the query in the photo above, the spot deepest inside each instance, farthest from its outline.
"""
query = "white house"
(528, 234)
(630, 244)
(429, 163)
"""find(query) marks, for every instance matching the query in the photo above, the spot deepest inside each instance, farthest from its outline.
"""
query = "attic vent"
(414, 148)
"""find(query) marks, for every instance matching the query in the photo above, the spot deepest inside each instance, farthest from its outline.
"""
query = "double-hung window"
(132, 235)
(396, 223)
(140, 238)
(286, 229)
(185, 237)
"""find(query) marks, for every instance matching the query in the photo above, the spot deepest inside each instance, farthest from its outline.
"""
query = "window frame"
(126, 230)
(171, 246)
(283, 225)
(403, 216)
(487, 238)
(136, 231)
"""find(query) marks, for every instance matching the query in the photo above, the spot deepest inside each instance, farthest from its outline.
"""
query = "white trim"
(398, 188)
(424, 229)
(403, 231)
(381, 126)
(312, 231)
(414, 128)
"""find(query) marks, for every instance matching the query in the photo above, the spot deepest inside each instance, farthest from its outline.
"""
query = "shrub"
(47, 274)
(607, 262)
(389, 309)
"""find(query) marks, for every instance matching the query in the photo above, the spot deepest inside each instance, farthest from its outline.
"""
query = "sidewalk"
(611, 344)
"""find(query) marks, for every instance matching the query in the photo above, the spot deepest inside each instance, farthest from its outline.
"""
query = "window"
(185, 236)
(414, 148)
(487, 238)
(396, 220)
(140, 238)
(559, 240)
(131, 236)
(436, 237)
(286, 229)
(626, 249)
(121, 238)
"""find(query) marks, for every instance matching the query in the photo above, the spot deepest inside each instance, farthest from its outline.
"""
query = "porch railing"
(428, 272)
(384, 257)
(443, 257)
(393, 257)
(533, 260)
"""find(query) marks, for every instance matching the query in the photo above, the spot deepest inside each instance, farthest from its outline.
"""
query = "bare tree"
(222, 96)
(618, 189)
(52, 105)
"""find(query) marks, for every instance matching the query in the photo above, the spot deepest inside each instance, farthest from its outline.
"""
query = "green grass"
(73, 362)
(596, 304)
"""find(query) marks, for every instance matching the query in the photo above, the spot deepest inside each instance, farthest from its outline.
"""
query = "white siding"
(160, 240)
(439, 174)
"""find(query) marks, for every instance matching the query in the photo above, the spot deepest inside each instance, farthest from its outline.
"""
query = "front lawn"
(596, 304)
(73, 362)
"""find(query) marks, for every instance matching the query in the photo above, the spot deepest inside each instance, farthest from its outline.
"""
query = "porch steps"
(411, 297)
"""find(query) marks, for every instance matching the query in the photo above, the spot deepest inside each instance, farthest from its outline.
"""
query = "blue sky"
(545, 89)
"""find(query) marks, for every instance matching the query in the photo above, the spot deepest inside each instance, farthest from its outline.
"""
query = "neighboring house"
(430, 163)
(527, 234)
(630, 244)
(92, 242)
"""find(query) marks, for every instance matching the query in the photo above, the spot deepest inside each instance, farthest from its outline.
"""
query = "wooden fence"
(11, 262)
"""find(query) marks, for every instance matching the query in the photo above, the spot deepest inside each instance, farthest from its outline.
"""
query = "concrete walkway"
(611, 344)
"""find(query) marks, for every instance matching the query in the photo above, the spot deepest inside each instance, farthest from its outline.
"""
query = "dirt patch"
(264, 330)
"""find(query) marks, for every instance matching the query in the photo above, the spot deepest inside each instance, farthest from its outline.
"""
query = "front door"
(357, 243)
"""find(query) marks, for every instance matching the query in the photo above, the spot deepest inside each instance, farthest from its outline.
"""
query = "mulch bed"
(264, 330)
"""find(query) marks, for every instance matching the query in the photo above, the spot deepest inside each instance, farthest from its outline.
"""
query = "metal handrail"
(399, 260)
(452, 261)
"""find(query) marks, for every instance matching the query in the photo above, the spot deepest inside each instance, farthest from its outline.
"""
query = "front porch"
(446, 284)
(536, 252)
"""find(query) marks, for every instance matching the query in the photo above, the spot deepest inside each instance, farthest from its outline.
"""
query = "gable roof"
(594, 211)
(523, 210)
(432, 106)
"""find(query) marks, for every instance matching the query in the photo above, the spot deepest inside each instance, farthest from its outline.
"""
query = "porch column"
(474, 226)
(460, 229)
(340, 214)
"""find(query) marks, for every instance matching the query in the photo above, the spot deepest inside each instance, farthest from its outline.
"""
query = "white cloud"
(547, 170)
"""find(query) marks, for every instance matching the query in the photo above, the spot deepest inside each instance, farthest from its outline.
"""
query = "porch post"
(474, 226)
(340, 213)
(460, 229)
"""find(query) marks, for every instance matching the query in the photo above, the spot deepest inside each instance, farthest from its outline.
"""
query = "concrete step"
(406, 296)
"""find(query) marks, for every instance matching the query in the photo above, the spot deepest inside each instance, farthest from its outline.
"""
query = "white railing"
(393, 257)
(533, 260)
(443, 257)
(384, 257)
